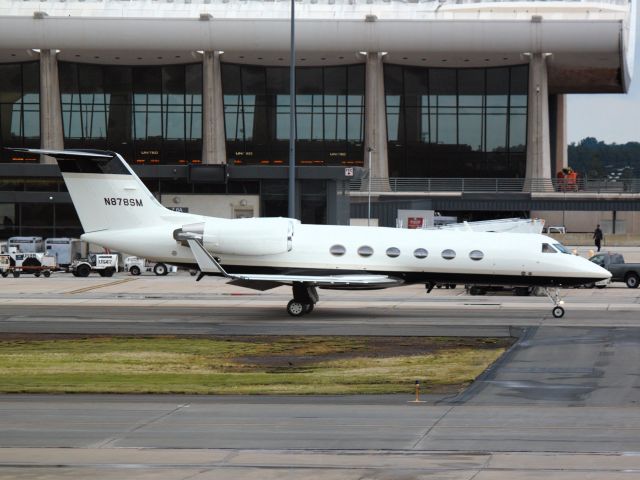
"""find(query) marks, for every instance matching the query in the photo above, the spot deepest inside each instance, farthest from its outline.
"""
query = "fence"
(496, 185)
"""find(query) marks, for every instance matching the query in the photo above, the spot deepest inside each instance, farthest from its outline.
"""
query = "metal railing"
(496, 185)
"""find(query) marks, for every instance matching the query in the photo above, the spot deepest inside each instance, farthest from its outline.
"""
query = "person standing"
(598, 236)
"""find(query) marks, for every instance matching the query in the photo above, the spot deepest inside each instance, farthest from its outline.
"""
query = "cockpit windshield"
(546, 248)
(561, 248)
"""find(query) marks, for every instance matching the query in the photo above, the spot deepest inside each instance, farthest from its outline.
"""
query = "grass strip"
(244, 365)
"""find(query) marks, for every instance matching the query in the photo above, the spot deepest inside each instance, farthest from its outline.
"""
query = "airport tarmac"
(561, 404)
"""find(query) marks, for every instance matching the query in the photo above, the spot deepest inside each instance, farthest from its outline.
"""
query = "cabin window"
(365, 251)
(546, 248)
(393, 252)
(420, 253)
(448, 254)
(476, 255)
(338, 250)
(598, 260)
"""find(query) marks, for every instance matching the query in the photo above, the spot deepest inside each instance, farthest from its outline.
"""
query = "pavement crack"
(435, 424)
(110, 441)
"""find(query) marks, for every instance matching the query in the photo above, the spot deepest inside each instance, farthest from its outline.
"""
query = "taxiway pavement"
(561, 404)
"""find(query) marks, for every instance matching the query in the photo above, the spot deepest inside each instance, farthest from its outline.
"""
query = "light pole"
(370, 150)
(292, 116)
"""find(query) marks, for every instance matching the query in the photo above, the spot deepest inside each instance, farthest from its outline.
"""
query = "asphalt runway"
(562, 403)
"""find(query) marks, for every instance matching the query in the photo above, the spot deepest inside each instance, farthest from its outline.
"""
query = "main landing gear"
(558, 311)
(304, 298)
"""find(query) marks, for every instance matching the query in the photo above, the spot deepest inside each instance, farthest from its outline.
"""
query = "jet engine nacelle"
(248, 236)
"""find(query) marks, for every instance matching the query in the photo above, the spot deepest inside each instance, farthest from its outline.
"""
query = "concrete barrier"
(586, 239)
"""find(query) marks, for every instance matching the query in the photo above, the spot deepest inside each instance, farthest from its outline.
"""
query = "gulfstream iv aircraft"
(117, 211)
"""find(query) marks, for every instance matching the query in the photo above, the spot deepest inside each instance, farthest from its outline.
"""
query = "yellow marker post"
(417, 400)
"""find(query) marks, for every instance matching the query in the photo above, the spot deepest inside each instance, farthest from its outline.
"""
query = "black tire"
(296, 309)
(30, 265)
(5, 274)
(74, 273)
(16, 274)
(601, 286)
(160, 269)
(83, 270)
(134, 271)
(193, 273)
(46, 273)
(107, 272)
(37, 274)
(477, 291)
(631, 280)
(557, 312)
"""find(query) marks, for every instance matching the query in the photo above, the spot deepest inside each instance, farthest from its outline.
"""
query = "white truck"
(137, 265)
(105, 264)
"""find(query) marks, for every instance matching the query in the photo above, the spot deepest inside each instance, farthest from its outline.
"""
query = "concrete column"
(538, 148)
(375, 136)
(51, 133)
(561, 150)
(213, 136)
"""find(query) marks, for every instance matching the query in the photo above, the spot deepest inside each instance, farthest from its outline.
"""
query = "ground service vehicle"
(17, 263)
(105, 264)
(66, 250)
(26, 244)
(628, 273)
(137, 265)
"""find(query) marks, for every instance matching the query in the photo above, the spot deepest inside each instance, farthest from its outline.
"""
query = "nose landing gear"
(558, 310)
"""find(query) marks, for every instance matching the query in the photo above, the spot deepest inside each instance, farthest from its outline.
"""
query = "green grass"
(252, 365)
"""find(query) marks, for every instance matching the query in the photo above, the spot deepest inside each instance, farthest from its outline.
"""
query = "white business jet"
(117, 211)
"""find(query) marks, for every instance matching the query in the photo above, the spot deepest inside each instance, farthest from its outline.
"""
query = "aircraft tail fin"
(106, 193)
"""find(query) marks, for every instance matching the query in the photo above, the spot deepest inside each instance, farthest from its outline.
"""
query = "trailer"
(26, 244)
(65, 249)
(17, 263)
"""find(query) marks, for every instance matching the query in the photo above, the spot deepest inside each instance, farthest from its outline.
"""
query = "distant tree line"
(594, 159)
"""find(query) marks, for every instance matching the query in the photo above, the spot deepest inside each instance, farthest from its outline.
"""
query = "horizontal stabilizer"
(66, 153)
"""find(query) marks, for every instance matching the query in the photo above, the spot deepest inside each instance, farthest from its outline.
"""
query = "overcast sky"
(611, 118)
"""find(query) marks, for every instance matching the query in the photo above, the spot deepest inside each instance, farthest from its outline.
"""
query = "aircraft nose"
(598, 271)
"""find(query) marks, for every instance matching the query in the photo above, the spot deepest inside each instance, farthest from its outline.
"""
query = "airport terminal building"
(195, 95)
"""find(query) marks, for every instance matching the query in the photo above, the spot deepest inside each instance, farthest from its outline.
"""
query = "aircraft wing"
(209, 265)
(354, 281)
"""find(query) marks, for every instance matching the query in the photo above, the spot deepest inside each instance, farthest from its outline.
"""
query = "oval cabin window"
(448, 254)
(476, 255)
(420, 253)
(393, 252)
(365, 251)
(338, 250)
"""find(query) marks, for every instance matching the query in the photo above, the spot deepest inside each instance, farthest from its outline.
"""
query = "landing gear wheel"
(160, 269)
(557, 312)
(308, 308)
(296, 309)
(134, 271)
(632, 280)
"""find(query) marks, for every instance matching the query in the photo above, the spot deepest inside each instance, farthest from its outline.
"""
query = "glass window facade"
(19, 109)
(150, 115)
(456, 122)
(329, 114)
